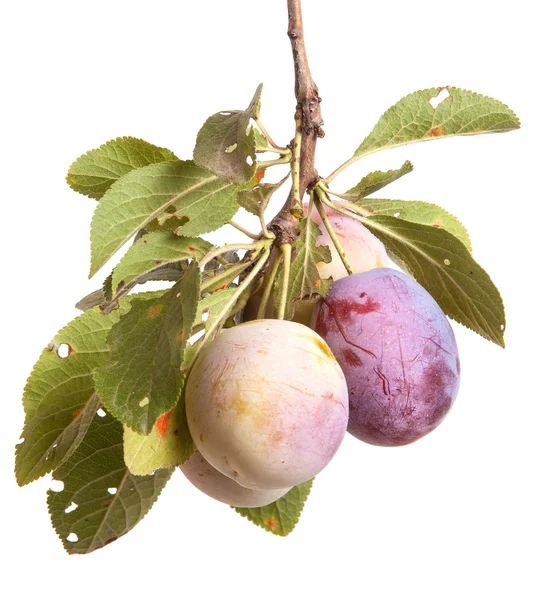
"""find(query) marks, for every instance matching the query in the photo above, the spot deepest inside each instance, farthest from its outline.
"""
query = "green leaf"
(168, 445)
(176, 188)
(101, 500)
(305, 281)
(377, 180)
(418, 211)
(59, 397)
(93, 173)
(256, 199)
(280, 517)
(413, 119)
(444, 267)
(144, 377)
(154, 251)
(261, 143)
(226, 142)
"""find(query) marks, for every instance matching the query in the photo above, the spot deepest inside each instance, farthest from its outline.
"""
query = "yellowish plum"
(267, 404)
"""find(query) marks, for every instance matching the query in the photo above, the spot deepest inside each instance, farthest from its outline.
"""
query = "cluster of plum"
(269, 401)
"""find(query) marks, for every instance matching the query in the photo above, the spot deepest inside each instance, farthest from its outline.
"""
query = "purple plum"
(398, 353)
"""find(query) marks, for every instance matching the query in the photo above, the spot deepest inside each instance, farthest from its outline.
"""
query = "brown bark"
(308, 112)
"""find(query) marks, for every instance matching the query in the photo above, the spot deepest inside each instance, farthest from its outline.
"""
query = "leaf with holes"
(376, 181)
(101, 500)
(154, 251)
(418, 211)
(226, 145)
(305, 281)
(168, 445)
(93, 173)
(59, 397)
(444, 267)
(144, 377)
(175, 188)
(280, 517)
(413, 119)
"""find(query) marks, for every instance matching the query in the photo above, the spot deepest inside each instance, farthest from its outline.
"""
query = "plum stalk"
(309, 121)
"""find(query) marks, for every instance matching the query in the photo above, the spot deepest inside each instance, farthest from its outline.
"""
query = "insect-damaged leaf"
(101, 500)
(168, 445)
(144, 378)
(443, 266)
(226, 144)
(175, 189)
(93, 173)
(152, 252)
(417, 211)
(59, 398)
(414, 119)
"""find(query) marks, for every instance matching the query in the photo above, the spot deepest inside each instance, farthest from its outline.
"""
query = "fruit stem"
(354, 211)
(339, 170)
(253, 236)
(214, 252)
(265, 164)
(226, 275)
(321, 185)
(331, 231)
(265, 133)
(224, 313)
(296, 208)
(268, 286)
(286, 251)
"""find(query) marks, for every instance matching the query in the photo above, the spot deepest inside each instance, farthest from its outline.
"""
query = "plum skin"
(363, 250)
(267, 404)
(398, 353)
(220, 487)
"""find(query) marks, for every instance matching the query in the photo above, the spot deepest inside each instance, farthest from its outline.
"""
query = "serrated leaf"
(101, 500)
(144, 379)
(444, 267)
(93, 173)
(280, 517)
(377, 180)
(418, 211)
(154, 251)
(168, 445)
(226, 142)
(176, 188)
(107, 288)
(304, 281)
(59, 397)
(413, 119)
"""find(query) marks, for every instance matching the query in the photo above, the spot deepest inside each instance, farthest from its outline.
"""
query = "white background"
(451, 516)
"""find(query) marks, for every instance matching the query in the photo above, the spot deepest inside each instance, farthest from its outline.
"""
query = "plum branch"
(309, 117)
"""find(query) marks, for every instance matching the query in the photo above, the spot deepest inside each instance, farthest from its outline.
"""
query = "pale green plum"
(267, 404)
(220, 487)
